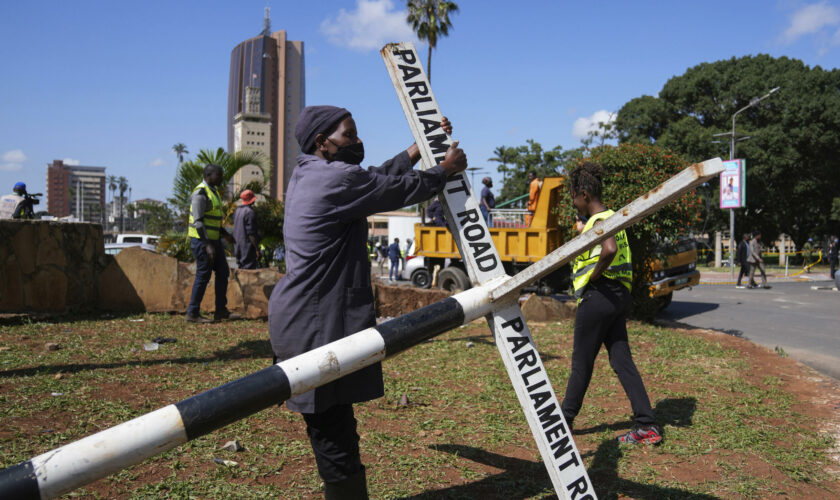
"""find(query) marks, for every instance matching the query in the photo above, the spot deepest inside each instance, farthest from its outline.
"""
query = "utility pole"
(753, 102)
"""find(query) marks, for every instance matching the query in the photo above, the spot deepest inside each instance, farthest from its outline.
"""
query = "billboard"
(733, 184)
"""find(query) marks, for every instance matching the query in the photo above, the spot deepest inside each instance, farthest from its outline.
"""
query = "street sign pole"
(469, 230)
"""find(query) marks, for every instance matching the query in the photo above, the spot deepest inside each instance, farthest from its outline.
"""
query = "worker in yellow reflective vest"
(602, 279)
(205, 239)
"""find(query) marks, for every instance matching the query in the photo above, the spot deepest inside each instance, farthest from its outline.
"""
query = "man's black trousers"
(745, 271)
(335, 443)
(601, 319)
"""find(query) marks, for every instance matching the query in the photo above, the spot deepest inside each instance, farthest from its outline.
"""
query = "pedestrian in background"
(756, 262)
(741, 257)
(245, 232)
(833, 249)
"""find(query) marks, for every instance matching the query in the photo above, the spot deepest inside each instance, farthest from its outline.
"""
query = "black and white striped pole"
(81, 462)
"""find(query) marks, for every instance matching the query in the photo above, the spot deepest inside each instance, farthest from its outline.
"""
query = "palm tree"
(123, 187)
(112, 187)
(430, 20)
(191, 173)
(180, 149)
(504, 156)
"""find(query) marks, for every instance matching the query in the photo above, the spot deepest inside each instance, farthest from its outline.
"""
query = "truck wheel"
(453, 279)
(665, 300)
(421, 278)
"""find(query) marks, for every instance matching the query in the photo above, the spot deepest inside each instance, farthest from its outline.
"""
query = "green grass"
(729, 433)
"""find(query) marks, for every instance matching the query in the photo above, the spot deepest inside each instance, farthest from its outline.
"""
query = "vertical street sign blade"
(533, 389)
(472, 236)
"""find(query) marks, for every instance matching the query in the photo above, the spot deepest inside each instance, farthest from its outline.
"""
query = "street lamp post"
(753, 102)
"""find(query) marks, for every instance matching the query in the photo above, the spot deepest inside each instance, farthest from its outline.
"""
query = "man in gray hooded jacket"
(326, 293)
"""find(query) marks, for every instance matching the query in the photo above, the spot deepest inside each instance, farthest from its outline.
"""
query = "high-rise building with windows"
(76, 190)
(273, 67)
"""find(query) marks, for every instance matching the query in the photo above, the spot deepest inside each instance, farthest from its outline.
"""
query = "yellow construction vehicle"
(522, 239)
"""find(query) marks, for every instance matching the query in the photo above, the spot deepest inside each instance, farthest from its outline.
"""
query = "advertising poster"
(733, 186)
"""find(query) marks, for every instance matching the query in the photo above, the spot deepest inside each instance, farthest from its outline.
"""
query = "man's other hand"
(211, 251)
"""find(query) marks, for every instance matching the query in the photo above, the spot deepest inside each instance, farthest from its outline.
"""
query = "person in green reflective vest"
(205, 232)
(602, 279)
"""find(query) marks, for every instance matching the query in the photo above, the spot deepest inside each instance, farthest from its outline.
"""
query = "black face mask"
(354, 154)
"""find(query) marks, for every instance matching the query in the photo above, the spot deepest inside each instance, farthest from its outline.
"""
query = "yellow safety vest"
(212, 217)
(621, 268)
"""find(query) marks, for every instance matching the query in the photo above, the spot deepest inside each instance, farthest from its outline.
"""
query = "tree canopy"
(794, 137)
(516, 162)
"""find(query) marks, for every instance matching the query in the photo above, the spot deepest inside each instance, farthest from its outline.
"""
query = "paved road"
(802, 321)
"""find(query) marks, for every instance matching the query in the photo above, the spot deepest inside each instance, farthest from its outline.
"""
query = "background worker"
(394, 255)
(245, 232)
(808, 254)
(435, 213)
(602, 280)
(741, 256)
(534, 186)
(488, 201)
(326, 293)
(205, 231)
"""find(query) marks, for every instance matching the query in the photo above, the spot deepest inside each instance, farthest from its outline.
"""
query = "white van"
(148, 239)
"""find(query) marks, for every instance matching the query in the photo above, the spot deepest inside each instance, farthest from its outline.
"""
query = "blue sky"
(116, 84)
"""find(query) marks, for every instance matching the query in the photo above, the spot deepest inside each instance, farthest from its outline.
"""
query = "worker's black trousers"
(601, 319)
(335, 442)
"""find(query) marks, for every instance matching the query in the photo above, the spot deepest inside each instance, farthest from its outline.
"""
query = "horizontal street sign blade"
(646, 204)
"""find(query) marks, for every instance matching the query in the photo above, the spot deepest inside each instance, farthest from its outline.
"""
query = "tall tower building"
(76, 190)
(251, 132)
(275, 67)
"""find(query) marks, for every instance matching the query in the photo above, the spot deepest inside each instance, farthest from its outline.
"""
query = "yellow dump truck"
(522, 240)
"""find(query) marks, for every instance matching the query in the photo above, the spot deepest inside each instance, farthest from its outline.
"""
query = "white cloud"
(810, 20)
(373, 24)
(157, 162)
(71, 161)
(586, 124)
(13, 160)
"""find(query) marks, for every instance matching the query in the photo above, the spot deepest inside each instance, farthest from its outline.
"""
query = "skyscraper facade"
(76, 190)
(275, 66)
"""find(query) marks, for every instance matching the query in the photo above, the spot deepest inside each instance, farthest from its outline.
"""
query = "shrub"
(630, 171)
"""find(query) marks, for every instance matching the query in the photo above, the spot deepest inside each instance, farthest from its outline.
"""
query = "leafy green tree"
(180, 149)
(630, 171)
(515, 163)
(792, 176)
(430, 20)
(191, 173)
(155, 218)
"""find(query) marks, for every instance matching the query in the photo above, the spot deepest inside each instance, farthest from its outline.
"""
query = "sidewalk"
(722, 276)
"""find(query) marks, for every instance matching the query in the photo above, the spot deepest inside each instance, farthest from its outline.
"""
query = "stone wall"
(137, 280)
(48, 266)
